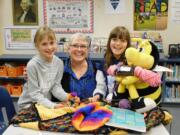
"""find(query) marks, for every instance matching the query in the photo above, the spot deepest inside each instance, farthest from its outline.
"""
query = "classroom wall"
(103, 23)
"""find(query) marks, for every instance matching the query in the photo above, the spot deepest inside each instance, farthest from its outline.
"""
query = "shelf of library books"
(170, 60)
(171, 82)
(172, 91)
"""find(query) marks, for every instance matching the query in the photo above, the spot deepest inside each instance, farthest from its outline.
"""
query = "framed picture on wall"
(25, 12)
(69, 16)
(150, 15)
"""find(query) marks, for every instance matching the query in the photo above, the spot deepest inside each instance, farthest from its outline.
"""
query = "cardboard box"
(16, 90)
(3, 71)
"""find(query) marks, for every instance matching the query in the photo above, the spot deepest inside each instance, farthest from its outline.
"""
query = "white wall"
(103, 23)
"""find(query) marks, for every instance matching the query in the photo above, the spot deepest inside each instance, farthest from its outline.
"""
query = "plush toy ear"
(155, 54)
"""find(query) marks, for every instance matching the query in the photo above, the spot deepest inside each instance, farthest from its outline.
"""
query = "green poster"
(150, 14)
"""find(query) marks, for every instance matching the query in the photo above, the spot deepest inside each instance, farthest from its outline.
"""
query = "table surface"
(158, 130)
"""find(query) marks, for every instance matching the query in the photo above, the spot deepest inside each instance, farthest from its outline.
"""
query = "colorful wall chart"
(69, 16)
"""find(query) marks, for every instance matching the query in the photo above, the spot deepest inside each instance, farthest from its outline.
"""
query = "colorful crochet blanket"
(91, 117)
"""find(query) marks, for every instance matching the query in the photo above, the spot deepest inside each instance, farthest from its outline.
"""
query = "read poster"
(150, 14)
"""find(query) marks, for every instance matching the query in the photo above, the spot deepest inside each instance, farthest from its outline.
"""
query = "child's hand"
(111, 70)
(59, 105)
(109, 97)
(74, 99)
(95, 98)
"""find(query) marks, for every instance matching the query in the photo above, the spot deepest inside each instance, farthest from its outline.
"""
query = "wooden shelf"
(11, 78)
(27, 57)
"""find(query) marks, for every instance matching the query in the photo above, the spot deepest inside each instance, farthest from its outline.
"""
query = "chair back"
(6, 102)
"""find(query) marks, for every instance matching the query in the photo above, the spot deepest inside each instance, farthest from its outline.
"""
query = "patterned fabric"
(91, 117)
(40, 118)
(154, 117)
(26, 115)
(60, 124)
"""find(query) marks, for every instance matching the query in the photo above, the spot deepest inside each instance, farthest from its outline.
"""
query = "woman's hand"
(76, 99)
(73, 97)
(94, 98)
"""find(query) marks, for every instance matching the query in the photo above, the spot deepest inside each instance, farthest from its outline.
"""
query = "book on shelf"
(172, 93)
(175, 75)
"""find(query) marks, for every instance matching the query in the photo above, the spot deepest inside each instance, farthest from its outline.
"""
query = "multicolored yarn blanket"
(38, 117)
(91, 117)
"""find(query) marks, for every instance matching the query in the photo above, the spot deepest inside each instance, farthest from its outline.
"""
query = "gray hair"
(79, 36)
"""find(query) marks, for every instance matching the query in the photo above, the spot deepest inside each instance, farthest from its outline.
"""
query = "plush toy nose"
(136, 58)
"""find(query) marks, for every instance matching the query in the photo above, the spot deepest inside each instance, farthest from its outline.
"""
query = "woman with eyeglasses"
(80, 75)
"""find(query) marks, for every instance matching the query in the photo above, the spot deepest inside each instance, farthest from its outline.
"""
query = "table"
(11, 130)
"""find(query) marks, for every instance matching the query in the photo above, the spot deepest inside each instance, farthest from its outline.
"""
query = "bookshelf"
(171, 81)
(15, 82)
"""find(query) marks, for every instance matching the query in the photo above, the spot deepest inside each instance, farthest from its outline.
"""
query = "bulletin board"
(18, 38)
(69, 16)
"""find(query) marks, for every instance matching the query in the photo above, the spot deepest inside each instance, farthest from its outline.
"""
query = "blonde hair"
(41, 33)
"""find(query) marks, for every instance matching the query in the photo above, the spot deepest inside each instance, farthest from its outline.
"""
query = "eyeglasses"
(79, 46)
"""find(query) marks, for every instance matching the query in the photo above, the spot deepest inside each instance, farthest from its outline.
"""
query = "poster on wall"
(18, 38)
(150, 14)
(114, 6)
(175, 11)
(69, 16)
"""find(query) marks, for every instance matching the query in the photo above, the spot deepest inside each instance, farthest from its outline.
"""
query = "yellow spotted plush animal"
(143, 96)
